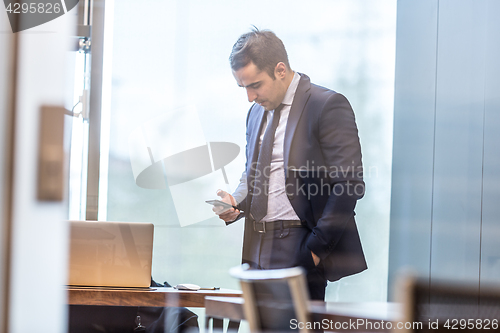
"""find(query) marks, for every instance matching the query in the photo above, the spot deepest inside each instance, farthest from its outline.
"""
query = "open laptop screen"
(110, 254)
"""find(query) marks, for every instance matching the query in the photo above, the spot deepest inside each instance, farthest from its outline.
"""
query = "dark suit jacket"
(322, 161)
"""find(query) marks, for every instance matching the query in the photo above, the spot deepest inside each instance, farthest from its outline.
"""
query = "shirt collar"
(292, 88)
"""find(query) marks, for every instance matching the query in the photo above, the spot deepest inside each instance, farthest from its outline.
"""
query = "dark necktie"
(260, 180)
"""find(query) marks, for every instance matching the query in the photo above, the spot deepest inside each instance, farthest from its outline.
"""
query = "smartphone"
(220, 203)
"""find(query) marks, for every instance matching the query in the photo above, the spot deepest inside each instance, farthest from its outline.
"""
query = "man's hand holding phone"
(226, 213)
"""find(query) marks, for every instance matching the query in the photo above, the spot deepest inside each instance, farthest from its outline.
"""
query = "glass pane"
(172, 92)
(79, 138)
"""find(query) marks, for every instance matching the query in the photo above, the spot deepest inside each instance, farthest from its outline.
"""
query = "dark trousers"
(284, 248)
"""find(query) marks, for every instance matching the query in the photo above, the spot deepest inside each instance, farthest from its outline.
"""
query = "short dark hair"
(262, 47)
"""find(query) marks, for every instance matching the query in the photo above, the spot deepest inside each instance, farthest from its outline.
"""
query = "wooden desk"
(160, 297)
(333, 312)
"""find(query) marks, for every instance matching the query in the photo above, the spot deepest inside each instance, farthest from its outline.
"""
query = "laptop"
(110, 254)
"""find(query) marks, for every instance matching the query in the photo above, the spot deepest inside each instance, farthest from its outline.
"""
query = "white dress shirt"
(278, 205)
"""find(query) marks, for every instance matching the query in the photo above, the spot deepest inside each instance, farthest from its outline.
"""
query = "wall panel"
(451, 225)
(414, 103)
(490, 236)
(459, 138)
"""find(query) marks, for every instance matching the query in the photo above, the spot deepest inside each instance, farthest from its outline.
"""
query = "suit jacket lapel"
(255, 128)
(299, 101)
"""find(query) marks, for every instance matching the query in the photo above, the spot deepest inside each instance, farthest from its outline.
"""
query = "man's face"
(260, 87)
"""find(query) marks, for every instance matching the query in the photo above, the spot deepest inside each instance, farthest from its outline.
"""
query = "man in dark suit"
(303, 174)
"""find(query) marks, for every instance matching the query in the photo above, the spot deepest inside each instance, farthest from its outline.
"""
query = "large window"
(79, 136)
(172, 92)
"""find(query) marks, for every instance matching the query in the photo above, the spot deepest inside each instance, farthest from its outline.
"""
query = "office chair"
(273, 298)
(444, 306)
